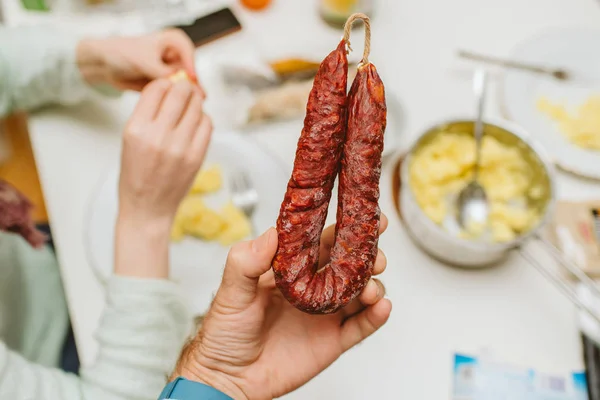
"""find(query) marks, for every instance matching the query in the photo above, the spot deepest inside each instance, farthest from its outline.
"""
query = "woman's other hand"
(164, 145)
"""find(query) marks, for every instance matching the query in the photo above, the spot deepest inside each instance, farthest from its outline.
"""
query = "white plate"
(577, 51)
(196, 265)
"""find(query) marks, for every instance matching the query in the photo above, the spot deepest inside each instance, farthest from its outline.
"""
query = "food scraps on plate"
(196, 219)
(581, 127)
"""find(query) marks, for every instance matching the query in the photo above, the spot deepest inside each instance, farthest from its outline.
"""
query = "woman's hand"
(132, 62)
(254, 345)
(164, 145)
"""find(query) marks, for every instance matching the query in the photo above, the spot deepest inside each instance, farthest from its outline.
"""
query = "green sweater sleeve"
(141, 333)
(38, 67)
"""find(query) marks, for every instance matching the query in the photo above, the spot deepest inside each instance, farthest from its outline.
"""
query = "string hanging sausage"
(342, 134)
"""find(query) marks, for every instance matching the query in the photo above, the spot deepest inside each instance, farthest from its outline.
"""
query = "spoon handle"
(558, 73)
(479, 87)
(559, 279)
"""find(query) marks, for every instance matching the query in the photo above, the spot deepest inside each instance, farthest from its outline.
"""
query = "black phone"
(212, 26)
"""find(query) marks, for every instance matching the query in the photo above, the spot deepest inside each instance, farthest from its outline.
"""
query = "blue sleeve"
(183, 389)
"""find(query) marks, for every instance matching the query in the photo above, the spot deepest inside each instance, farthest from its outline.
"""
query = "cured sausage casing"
(342, 134)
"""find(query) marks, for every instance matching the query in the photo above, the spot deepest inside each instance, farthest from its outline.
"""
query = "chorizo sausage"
(341, 134)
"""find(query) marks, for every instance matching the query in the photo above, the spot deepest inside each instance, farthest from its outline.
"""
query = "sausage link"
(318, 161)
(357, 230)
(304, 207)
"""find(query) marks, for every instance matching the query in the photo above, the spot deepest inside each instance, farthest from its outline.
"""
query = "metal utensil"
(557, 73)
(472, 204)
(446, 247)
(243, 195)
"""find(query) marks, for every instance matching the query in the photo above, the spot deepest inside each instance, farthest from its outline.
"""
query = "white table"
(509, 310)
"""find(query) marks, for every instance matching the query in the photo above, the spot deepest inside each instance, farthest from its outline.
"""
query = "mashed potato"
(208, 180)
(582, 128)
(440, 169)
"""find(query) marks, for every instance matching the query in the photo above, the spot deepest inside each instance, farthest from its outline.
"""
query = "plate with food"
(208, 220)
(561, 111)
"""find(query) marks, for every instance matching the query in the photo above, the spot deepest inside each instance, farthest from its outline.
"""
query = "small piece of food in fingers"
(181, 75)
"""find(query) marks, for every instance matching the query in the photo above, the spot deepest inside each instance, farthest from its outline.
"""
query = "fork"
(244, 196)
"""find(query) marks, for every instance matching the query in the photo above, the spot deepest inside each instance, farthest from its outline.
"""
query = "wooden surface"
(19, 169)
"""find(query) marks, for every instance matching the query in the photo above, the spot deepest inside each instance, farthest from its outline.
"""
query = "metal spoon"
(557, 73)
(472, 203)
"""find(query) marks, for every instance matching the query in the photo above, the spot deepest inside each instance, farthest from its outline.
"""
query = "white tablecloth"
(510, 310)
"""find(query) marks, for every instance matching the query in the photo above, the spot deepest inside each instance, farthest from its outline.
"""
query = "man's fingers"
(327, 239)
(246, 262)
(383, 223)
(380, 263)
(267, 280)
(371, 294)
(329, 232)
(149, 103)
(328, 236)
(362, 325)
(175, 104)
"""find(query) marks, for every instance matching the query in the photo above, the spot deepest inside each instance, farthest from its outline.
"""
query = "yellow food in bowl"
(194, 218)
(443, 166)
(581, 128)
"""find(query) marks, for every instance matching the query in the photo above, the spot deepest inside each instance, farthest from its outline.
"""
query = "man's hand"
(254, 345)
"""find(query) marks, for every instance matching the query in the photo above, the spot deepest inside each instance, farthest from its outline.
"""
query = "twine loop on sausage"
(348, 28)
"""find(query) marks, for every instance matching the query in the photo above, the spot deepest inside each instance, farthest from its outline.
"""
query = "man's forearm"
(190, 369)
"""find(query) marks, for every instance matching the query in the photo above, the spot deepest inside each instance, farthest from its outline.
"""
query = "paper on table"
(482, 379)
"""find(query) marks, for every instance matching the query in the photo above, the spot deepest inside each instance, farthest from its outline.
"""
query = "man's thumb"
(246, 262)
